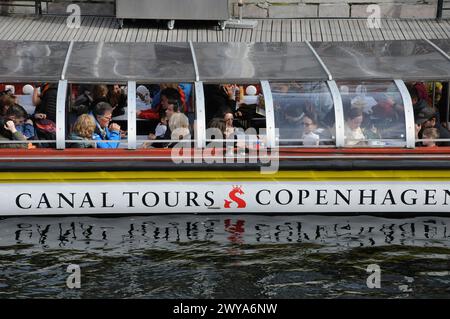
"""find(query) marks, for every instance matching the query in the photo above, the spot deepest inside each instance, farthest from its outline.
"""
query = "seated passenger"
(45, 102)
(418, 102)
(27, 127)
(289, 123)
(161, 128)
(169, 96)
(117, 98)
(104, 131)
(217, 124)
(83, 131)
(8, 131)
(82, 103)
(143, 99)
(179, 127)
(354, 134)
(170, 111)
(310, 135)
(113, 95)
(229, 131)
(426, 118)
(184, 91)
(385, 108)
(218, 99)
(429, 136)
(422, 91)
(6, 101)
(99, 94)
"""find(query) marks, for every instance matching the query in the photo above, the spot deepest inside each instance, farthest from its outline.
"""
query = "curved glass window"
(28, 115)
(304, 114)
(374, 114)
(165, 114)
(97, 116)
(236, 111)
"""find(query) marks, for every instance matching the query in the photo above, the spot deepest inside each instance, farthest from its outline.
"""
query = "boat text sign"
(222, 197)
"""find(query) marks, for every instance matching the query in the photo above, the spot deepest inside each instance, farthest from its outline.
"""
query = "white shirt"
(160, 130)
(310, 139)
(353, 137)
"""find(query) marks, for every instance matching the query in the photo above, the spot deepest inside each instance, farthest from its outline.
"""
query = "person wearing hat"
(143, 99)
(426, 118)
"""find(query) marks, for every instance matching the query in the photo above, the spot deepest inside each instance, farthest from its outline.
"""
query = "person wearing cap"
(143, 99)
(425, 119)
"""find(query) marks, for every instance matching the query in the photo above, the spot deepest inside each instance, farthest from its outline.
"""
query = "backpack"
(45, 130)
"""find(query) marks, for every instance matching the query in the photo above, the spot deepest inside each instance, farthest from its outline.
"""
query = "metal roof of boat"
(240, 62)
(383, 60)
(32, 61)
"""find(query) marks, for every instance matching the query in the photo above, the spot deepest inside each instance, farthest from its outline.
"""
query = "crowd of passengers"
(230, 108)
(17, 125)
(371, 119)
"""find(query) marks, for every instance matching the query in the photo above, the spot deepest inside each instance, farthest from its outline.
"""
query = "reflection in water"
(225, 256)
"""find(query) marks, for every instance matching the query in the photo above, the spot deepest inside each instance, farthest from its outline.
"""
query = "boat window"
(28, 115)
(374, 114)
(237, 111)
(431, 112)
(304, 114)
(165, 114)
(97, 116)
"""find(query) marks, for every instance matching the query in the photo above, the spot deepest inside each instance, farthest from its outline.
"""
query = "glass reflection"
(374, 114)
(304, 114)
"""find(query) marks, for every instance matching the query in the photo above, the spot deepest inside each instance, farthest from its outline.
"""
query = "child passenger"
(83, 131)
(310, 136)
(161, 128)
(429, 136)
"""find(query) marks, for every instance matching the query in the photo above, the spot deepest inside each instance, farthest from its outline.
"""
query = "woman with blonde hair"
(179, 127)
(83, 131)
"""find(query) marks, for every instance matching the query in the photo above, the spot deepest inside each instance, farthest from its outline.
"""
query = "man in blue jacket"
(102, 114)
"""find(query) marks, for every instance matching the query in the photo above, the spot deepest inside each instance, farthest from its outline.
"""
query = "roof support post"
(338, 113)
(442, 52)
(131, 116)
(61, 115)
(194, 60)
(409, 114)
(319, 59)
(270, 115)
(200, 129)
(66, 61)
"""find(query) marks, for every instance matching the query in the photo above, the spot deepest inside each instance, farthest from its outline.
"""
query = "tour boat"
(279, 173)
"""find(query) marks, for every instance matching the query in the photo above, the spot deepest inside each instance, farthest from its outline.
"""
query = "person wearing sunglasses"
(309, 123)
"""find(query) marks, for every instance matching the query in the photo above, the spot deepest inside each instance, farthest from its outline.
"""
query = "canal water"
(236, 256)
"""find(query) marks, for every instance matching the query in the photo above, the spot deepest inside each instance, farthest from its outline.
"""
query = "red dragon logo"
(237, 190)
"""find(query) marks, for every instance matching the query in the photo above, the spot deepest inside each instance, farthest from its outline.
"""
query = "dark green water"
(225, 257)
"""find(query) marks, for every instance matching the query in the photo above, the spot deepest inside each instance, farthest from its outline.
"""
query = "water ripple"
(234, 256)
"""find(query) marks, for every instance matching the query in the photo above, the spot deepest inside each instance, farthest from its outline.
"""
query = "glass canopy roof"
(32, 61)
(249, 61)
(116, 62)
(223, 62)
(384, 60)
